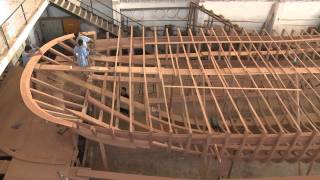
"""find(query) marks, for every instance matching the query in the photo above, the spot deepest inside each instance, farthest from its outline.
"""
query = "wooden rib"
(295, 122)
(207, 80)
(49, 106)
(191, 98)
(66, 47)
(291, 146)
(315, 50)
(269, 65)
(118, 114)
(87, 92)
(45, 84)
(100, 118)
(270, 84)
(170, 51)
(297, 103)
(161, 78)
(61, 55)
(131, 107)
(72, 104)
(227, 60)
(73, 41)
(195, 86)
(62, 115)
(283, 84)
(88, 118)
(313, 137)
(49, 59)
(96, 89)
(224, 83)
(114, 81)
(185, 105)
(146, 93)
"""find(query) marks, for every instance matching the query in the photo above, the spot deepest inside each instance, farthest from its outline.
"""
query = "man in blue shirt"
(81, 54)
(85, 39)
(28, 53)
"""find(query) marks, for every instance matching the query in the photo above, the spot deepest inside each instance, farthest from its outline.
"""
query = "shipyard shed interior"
(169, 89)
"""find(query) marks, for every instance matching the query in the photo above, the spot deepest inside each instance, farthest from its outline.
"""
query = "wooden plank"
(169, 71)
(86, 172)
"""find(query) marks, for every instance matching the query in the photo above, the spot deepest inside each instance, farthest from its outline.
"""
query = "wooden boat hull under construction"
(229, 95)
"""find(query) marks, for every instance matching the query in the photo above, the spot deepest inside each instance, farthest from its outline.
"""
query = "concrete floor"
(38, 151)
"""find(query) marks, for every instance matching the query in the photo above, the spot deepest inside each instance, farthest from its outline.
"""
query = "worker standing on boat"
(81, 54)
(85, 39)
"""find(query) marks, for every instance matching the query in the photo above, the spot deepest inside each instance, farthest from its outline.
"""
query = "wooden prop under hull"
(231, 96)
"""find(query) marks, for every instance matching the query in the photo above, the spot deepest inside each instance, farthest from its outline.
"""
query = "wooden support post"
(85, 153)
(103, 155)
